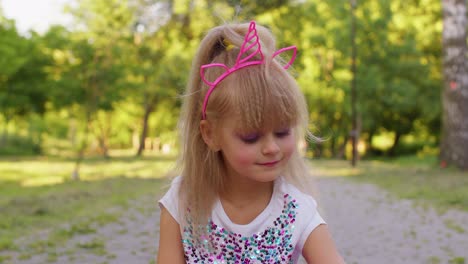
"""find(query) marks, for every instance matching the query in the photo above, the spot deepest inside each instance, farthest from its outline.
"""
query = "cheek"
(289, 147)
(244, 156)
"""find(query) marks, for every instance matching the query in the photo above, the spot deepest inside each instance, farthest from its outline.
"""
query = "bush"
(409, 148)
(15, 145)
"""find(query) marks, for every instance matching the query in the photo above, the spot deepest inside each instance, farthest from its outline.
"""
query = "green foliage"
(17, 145)
(251, 8)
(23, 80)
(13, 49)
(396, 84)
(126, 60)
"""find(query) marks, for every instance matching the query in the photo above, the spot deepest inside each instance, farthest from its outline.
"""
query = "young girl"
(240, 197)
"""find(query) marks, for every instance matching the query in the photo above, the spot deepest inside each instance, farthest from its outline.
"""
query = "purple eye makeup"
(251, 138)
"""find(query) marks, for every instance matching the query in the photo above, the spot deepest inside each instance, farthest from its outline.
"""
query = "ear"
(212, 65)
(209, 136)
(293, 56)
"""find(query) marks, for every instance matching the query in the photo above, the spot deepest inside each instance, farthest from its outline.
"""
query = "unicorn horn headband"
(249, 49)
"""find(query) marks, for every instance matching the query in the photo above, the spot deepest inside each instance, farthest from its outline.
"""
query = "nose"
(270, 146)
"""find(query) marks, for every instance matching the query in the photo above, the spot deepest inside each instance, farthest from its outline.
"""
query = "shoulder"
(176, 180)
(170, 200)
(305, 201)
(305, 213)
(175, 184)
(174, 187)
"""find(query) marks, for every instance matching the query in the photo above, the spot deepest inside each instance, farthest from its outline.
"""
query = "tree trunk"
(396, 140)
(318, 151)
(354, 116)
(4, 137)
(454, 143)
(103, 146)
(333, 146)
(144, 132)
(105, 128)
(369, 147)
(82, 148)
(342, 149)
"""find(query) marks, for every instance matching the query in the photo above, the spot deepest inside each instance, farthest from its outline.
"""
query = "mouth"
(269, 164)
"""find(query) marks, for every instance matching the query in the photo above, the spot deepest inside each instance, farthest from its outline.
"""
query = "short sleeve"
(311, 221)
(170, 200)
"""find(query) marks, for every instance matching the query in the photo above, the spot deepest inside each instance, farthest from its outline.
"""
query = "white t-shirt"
(276, 235)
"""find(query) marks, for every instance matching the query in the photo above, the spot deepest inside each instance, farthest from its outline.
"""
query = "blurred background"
(108, 77)
(90, 96)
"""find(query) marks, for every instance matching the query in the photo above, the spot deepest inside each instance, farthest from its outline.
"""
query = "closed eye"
(250, 138)
(283, 133)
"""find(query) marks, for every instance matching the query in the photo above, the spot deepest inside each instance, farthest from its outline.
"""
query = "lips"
(269, 164)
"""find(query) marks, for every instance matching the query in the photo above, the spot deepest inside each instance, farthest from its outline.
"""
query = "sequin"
(273, 245)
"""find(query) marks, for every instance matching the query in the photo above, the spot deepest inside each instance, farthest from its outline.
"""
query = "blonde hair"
(260, 95)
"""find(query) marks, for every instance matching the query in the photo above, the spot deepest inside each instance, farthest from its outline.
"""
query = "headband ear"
(212, 65)
(250, 47)
(293, 57)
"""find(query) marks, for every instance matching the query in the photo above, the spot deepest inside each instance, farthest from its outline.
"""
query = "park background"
(88, 111)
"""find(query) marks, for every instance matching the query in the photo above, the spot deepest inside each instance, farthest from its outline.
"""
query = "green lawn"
(37, 193)
(411, 177)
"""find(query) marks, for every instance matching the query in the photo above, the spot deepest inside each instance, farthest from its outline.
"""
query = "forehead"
(257, 98)
(234, 124)
(258, 101)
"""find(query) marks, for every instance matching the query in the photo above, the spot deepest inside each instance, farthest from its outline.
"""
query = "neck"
(242, 192)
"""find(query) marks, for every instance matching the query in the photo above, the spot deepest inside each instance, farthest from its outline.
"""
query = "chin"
(268, 177)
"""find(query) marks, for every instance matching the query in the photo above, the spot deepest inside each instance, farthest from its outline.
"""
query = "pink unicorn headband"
(251, 44)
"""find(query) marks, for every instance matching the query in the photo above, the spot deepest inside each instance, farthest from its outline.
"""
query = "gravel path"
(369, 226)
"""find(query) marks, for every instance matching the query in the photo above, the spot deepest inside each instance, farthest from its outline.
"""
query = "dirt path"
(130, 240)
(369, 226)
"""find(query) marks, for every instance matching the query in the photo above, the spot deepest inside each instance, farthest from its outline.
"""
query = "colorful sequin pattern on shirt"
(273, 245)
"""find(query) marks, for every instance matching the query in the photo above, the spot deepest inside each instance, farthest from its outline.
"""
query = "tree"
(161, 61)
(397, 65)
(94, 66)
(23, 79)
(147, 61)
(454, 144)
(13, 55)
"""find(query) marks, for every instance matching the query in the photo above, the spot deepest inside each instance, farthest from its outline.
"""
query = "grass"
(452, 225)
(39, 171)
(95, 245)
(420, 179)
(37, 194)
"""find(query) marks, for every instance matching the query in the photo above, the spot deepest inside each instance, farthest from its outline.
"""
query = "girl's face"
(258, 155)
